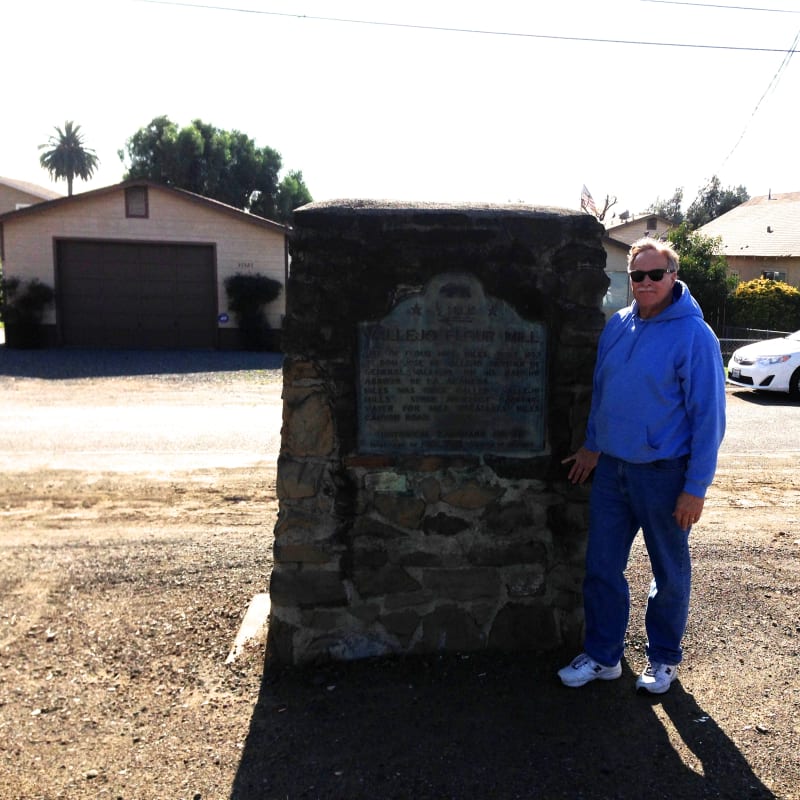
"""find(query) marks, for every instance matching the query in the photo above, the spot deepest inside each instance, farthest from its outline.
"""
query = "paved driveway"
(766, 424)
(161, 411)
(138, 411)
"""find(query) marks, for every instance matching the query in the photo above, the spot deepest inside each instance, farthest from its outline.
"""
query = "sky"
(442, 100)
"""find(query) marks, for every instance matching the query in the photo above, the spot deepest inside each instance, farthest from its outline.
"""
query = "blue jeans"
(624, 498)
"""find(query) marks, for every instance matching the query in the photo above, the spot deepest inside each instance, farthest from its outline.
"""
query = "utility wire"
(771, 88)
(411, 26)
(728, 7)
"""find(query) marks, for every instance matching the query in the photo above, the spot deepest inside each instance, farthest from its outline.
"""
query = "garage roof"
(223, 208)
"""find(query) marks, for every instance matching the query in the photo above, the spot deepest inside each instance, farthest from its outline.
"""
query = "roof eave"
(49, 205)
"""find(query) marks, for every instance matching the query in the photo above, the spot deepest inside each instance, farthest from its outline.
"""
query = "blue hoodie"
(659, 390)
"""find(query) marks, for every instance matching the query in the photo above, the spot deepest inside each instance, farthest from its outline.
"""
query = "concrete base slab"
(254, 625)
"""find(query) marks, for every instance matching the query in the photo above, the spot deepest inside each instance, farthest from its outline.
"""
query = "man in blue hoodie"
(656, 422)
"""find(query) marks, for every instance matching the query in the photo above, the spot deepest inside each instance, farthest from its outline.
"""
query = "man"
(656, 422)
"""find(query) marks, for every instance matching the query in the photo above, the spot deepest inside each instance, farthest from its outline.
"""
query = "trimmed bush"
(248, 296)
(23, 306)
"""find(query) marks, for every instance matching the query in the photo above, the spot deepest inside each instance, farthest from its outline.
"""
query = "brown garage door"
(121, 294)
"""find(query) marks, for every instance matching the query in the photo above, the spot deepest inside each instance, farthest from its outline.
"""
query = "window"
(617, 293)
(136, 202)
(772, 275)
(652, 223)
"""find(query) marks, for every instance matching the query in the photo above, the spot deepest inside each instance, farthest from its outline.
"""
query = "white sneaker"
(657, 678)
(584, 669)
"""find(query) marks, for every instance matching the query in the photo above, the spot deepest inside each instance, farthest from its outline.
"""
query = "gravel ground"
(122, 592)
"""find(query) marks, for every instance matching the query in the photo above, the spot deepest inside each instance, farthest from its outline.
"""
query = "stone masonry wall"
(378, 554)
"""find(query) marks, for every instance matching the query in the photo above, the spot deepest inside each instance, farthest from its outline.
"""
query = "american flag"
(587, 202)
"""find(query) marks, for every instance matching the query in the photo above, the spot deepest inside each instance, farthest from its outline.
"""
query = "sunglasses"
(638, 275)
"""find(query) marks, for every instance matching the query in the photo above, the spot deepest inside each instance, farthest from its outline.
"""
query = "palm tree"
(67, 156)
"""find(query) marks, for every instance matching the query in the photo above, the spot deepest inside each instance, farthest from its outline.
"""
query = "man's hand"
(584, 461)
(688, 510)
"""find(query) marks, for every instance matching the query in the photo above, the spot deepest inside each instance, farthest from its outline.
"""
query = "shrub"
(766, 304)
(23, 306)
(248, 296)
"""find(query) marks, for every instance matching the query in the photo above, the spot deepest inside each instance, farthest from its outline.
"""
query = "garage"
(136, 294)
(141, 265)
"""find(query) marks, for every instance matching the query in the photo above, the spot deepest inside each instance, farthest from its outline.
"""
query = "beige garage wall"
(241, 245)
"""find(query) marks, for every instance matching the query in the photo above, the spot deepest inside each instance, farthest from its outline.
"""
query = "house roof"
(30, 188)
(223, 208)
(612, 242)
(636, 219)
(767, 226)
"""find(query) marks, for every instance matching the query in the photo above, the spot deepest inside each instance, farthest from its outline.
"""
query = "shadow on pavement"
(66, 363)
(766, 398)
(484, 726)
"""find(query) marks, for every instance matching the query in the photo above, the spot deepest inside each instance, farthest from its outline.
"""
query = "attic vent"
(136, 202)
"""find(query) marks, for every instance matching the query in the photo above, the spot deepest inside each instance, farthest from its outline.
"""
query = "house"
(617, 242)
(618, 293)
(20, 194)
(629, 229)
(141, 265)
(761, 238)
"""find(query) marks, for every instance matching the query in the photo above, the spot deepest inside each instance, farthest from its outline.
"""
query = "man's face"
(652, 296)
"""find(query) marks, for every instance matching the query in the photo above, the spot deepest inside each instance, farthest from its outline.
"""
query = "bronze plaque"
(450, 370)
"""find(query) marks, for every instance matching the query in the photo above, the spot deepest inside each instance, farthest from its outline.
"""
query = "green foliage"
(25, 300)
(68, 157)
(704, 269)
(23, 306)
(766, 304)
(670, 209)
(248, 296)
(223, 165)
(713, 201)
(292, 193)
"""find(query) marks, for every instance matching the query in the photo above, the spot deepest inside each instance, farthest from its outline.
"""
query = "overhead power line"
(727, 7)
(477, 31)
(771, 88)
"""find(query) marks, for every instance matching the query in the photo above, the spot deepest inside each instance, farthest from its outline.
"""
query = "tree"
(670, 209)
(68, 157)
(704, 269)
(609, 201)
(223, 165)
(713, 201)
(292, 193)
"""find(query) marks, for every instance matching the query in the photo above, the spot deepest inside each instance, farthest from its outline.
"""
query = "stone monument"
(438, 367)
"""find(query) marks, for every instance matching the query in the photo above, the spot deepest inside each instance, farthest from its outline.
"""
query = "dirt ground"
(122, 594)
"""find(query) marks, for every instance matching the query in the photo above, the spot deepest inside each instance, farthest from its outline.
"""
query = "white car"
(771, 365)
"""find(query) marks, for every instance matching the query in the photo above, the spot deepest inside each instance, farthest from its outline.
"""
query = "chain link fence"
(734, 338)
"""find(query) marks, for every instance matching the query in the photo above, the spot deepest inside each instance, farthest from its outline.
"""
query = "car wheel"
(794, 385)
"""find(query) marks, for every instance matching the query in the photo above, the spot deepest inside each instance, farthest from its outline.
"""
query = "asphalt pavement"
(146, 411)
(189, 410)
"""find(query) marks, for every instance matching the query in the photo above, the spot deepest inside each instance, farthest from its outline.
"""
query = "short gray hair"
(647, 243)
